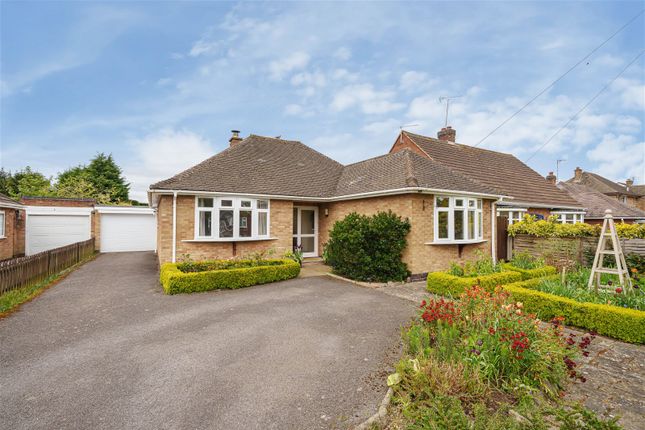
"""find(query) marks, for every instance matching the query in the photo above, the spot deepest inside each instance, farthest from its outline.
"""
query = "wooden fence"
(23, 271)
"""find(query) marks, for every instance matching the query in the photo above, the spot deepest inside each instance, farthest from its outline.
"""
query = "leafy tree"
(106, 177)
(28, 182)
(7, 184)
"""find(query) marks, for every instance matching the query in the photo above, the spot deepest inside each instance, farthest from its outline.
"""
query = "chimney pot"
(550, 178)
(235, 138)
(577, 174)
(447, 133)
(629, 182)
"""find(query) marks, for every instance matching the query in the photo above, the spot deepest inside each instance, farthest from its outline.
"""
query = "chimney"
(550, 178)
(629, 183)
(235, 138)
(577, 174)
(447, 133)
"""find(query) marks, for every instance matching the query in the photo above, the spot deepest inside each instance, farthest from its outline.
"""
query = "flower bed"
(482, 362)
(224, 274)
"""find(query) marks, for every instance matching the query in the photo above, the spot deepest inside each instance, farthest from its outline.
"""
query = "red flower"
(619, 290)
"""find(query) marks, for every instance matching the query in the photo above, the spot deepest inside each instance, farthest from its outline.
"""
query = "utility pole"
(557, 168)
(447, 100)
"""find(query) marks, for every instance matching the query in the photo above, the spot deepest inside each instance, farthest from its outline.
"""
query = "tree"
(75, 183)
(106, 177)
(7, 184)
(27, 182)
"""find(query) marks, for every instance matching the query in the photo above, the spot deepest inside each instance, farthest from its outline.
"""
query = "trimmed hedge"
(620, 323)
(531, 273)
(174, 281)
(445, 284)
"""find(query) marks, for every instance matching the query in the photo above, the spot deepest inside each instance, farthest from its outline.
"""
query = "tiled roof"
(404, 169)
(639, 189)
(6, 201)
(495, 169)
(599, 183)
(597, 202)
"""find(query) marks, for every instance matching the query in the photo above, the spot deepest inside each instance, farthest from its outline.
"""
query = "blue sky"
(160, 85)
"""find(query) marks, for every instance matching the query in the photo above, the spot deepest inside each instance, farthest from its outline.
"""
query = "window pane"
(307, 220)
(246, 223)
(226, 203)
(205, 223)
(295, 221)
(570, 218)
(443, 224)
(471, 224)
(307, 244)
(262, 223)
(263, 204)
(471, 203)
(442, 202)
(479, 226)
(479, 204)
(459, 225)
(246, 203)
(1, 224)
(295, 243)
(226, 223)
(205, 203)
(459, 202)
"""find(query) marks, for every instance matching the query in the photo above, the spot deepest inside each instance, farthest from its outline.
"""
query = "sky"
(160, 84)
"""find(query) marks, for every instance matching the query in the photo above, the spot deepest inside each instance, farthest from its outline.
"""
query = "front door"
(305, 229)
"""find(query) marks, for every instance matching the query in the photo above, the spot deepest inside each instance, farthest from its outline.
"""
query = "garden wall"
(561, 251)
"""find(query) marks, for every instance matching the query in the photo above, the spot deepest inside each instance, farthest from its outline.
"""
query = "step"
(611, 271)
(607, 252)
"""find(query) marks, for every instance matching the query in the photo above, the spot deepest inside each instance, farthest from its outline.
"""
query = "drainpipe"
(493, 237)
(174, 227)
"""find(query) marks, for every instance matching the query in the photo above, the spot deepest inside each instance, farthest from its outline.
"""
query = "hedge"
(531, 273)
(620, 323)
(445, 284)
(175, 281)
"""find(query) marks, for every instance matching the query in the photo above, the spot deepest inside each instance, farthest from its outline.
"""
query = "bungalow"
(626, 193)
(12, 228)
(269, 193)
(526, 191)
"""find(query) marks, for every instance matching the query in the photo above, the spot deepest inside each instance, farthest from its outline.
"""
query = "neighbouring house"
(526, 191)
(268, 193)
(626, 193)
(52, 222)
(596, 203)
(12, 228)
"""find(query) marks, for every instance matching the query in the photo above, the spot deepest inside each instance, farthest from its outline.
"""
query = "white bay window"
(231, 218)
(457, 219)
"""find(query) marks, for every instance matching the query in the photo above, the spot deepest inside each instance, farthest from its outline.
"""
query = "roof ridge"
(389, 154)
(464, 145)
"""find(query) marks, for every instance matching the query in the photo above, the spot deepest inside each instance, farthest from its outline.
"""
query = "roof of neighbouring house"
(639, 189)
(497, 170)
(602, 184)
(265, 165)
(8, 202)
(597, 202)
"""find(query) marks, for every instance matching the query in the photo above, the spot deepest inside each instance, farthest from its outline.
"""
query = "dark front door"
(502, 238)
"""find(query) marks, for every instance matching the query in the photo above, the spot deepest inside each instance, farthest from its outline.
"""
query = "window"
(235, 218)
(513, 214)
(1, 223)
(457, 219)
(569, 217)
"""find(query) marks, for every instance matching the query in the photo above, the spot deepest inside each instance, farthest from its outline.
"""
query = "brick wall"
(13, 244)
(404, 142)
(57, 201)
(96, 230)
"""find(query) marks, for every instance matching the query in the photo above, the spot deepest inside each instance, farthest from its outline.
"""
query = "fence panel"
(23, 271)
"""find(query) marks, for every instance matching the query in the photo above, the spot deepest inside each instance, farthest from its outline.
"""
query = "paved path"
(105, 349)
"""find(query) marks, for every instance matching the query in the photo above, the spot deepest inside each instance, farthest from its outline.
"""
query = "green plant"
(445, 284)
(552, 228)
(530, 273)
(369, 248)
(295, 255)
(524, 260)
(482, 265)
(224, 274)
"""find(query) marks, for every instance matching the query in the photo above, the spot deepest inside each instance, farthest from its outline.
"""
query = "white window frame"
(3, 224)
(476, 208)
(514, 214)
(578, 217)
(236, 208)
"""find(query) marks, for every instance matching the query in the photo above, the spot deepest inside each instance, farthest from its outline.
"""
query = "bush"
(445, 284)
(552, 228)
(482, 265)
(225, 275)
(613, 321)
(531, 273)
(369, 248)
(524, 260)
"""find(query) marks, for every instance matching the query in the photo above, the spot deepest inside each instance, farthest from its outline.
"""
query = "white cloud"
(316, 79)
(294, 109)
(343, 53)
(163, 154)
(631, 93)
(413, 80)
(366, 98)
(279, 68)
(619, 157)
(202, 47)
(344, 74)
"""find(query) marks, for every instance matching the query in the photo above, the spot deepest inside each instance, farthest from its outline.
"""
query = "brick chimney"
(447, 133)
(629, 183)
(550, 178)
(577, 174)
(235, 138)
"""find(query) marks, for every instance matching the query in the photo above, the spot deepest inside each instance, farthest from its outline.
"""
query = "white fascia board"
(58, 210)
(540, 205)
(11, 206)
(142, 210)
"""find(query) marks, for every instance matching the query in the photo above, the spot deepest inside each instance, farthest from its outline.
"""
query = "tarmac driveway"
(105, 348)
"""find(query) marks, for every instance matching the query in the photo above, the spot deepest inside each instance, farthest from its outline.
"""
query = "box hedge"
(174, 281)
(445, 284)
(620, 323)
(531, 273)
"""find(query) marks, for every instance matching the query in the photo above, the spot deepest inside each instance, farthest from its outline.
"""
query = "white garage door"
(128, 232)
(52, 231)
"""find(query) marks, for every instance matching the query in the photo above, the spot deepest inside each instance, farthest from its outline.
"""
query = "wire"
(585, 106)
(560, 78)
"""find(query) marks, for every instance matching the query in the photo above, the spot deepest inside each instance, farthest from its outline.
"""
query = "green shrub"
(613, 321)
(524, 260)
(482, 265)
(225, 275)
(369, 248)
(531, 273)
(552, 228)
(445, 284)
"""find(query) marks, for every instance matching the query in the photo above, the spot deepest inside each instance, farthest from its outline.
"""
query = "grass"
(11, 300)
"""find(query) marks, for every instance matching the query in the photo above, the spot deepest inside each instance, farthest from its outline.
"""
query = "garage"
(124, 229)
(52, 227)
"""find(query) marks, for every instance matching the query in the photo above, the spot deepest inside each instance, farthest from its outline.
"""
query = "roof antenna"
(401, 127)
(447, 100)
(557, 168)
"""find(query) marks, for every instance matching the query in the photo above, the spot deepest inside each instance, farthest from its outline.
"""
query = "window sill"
(457, 242)
(230, 239)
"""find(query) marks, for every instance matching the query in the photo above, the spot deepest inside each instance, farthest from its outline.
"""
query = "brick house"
(12, 228)
(268, 193)
(526, 191)
(626, 193)
(596, 203)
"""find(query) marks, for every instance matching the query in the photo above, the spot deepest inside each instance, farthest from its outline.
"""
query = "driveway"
(105, 348)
